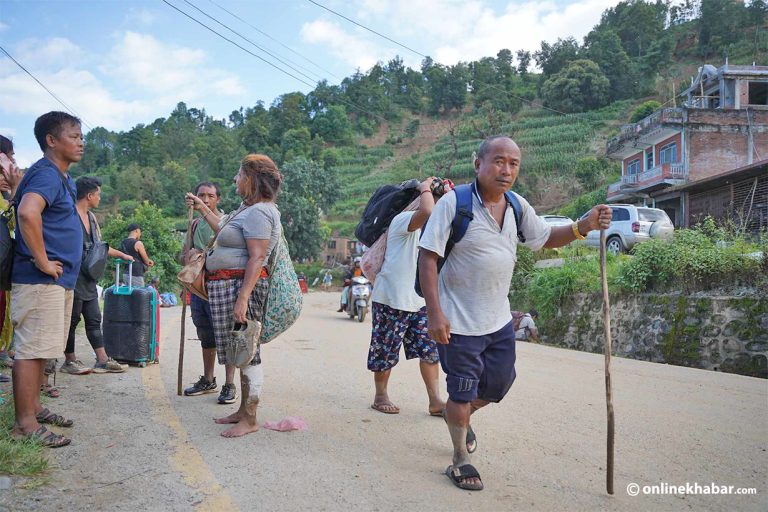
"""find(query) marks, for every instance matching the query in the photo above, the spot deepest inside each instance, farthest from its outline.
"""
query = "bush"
(705, 257)
(644, 110)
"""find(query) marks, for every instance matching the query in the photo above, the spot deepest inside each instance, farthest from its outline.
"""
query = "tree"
(637, 23)
(333, 125)
(307, 190)
(579, 87)
(552, 58)
(604, 48)
(523, 62)
(159, 237)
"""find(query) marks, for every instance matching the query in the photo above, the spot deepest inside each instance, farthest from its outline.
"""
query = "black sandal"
(47, 417)
(459, 474)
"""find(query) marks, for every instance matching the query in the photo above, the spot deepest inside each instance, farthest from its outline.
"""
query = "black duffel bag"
(384, 205)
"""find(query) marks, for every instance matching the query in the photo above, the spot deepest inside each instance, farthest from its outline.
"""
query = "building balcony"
(635, 137)
(660, 176)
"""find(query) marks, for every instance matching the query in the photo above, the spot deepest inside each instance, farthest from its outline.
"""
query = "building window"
(633, 167)
(758, 93)
(332, 244)
(668, 153)
(649, 159)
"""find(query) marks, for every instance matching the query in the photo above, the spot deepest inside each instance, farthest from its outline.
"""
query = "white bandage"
(255, 376)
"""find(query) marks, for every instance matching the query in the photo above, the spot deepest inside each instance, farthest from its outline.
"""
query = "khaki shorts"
(40, 314)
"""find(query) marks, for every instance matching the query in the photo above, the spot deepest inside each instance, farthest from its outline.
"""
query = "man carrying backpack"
(525, 327)
(469, 317)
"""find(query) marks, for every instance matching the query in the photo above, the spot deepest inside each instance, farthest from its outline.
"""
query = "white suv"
(632, 225)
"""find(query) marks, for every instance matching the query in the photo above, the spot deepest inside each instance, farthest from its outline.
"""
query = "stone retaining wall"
(720, 333)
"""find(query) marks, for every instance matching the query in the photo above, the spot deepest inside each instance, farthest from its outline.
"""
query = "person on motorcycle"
(353, 270)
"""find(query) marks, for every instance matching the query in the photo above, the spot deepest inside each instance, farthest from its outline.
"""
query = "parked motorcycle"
(360, 295)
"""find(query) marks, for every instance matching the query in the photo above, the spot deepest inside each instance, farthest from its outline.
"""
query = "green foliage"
(583, 203)
(706, 256)
(580, 86)
(644, 110)
(591, 172)
(26, 458)
(160, 240)
(307, 189)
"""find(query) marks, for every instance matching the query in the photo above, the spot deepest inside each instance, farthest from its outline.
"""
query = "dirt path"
(137, 446)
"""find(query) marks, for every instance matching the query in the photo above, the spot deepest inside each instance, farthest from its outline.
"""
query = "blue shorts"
(394, 327)
(201, 317)
(479, 366)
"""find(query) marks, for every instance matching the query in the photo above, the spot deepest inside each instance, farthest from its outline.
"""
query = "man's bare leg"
(251, 379)
(457, 417)
(381, 400)
(230, 370)
(209, 363)
(431, 376)
(26, 394)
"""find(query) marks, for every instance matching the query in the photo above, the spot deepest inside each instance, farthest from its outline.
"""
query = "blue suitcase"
(130, 322)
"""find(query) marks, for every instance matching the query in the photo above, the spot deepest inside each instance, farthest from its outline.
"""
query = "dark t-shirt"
(62, 233)
(85, 289)
(129, 248)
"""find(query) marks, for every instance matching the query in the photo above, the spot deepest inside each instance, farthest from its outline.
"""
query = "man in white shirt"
(527, 330)
(399, 314)
(467, 306)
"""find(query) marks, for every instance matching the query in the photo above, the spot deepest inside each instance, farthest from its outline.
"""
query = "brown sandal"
(45, 437)
(47, 417)
(50, 391)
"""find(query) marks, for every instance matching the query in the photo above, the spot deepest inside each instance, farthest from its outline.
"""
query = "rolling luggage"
(130, 323)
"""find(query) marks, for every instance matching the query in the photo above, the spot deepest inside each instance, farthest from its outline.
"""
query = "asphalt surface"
(138, 446)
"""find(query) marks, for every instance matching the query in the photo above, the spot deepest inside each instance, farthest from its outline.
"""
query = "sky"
(118, 63)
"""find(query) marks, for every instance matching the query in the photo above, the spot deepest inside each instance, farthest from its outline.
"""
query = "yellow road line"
(185, 457)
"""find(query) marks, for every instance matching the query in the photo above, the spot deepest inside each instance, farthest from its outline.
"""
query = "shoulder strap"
(517, 209)
(463, 215)
(95, 228)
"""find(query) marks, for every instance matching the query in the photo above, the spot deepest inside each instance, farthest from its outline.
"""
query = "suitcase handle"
(117, 273)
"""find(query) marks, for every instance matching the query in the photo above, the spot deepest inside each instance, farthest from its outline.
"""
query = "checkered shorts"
(222, 295)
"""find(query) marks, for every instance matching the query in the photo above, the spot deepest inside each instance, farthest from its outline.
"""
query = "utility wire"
(236, 44)
(342, 100)
(488, 86)
(246, 39)
(366, 28)
(70, 109)
(257, 29)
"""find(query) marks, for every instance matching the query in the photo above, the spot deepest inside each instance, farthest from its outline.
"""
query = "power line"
(70, 109)
(257, 29)
(342, 100)
(488, 86)
(366, 28)
(246, 39)
(236, 44)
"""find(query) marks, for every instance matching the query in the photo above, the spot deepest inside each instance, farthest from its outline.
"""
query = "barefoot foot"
(242, 428)
(235, 417)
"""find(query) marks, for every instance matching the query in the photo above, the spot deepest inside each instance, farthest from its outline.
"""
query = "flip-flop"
(438, 414)
(381, 408)
(47, 417)
(45, 437)
(50, 391)
(457, 474)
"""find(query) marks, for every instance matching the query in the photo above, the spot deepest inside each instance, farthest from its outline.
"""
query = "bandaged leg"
(254, 376)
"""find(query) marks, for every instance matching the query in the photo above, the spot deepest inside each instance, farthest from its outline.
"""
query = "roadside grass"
(23, 458)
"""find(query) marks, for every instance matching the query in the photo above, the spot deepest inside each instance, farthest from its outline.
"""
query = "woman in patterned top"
(236, 278)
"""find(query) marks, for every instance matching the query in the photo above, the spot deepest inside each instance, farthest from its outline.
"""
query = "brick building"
(722, 125)
(338, 250)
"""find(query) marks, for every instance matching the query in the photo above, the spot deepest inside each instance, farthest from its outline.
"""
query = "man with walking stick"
(469, 317)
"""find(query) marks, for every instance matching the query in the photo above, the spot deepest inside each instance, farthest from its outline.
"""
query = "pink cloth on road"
(287, 424)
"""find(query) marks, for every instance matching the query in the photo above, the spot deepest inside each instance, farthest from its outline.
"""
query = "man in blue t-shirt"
(46, 264)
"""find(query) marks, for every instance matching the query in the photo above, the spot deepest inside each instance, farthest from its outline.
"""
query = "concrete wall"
(728, 334)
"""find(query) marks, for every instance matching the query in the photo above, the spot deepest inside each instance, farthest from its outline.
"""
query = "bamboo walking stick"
(184, 293)
(607, 351)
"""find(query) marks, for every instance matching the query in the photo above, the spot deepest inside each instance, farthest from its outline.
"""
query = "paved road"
(137, 446)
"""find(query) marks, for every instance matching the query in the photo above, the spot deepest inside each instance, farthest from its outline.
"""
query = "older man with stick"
(470, 317)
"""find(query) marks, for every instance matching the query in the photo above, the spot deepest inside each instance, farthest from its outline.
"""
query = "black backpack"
(384, 205)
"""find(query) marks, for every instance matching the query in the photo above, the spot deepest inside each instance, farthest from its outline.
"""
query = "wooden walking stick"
(184, 293)
(607, 350)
